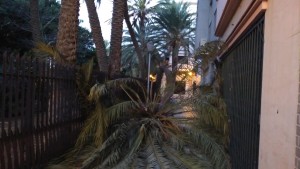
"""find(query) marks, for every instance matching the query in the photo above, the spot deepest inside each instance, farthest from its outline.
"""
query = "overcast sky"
(105, 13)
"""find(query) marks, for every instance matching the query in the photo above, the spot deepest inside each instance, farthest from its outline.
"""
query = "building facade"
(260, 68)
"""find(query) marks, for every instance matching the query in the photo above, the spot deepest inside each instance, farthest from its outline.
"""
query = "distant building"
(260, 68)
(186, 78)
(207, 14)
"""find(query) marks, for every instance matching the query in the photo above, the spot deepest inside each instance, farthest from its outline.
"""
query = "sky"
(105, 14)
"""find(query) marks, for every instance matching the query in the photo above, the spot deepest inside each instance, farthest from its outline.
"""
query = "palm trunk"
(35, 21)
(169, 89)
(175, 56)
(97, 36)
(66, 42)
(141, 59)
(116, 37)
(171, 75)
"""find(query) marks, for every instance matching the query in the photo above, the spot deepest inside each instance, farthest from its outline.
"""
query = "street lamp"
(150, 48)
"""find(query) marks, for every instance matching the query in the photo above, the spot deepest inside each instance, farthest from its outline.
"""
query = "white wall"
(280, 85)
(220, 6)
(202, 22)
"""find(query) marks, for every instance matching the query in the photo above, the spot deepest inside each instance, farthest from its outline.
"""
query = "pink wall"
(280, 85)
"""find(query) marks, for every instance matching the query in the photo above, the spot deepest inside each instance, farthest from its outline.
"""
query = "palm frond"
(155, 155)
(120, 110)
(210, 109)
(72, 159)
(215, 151)
(93, 129)
(99, 155)
(87, 69)
(113, 157)
(133, 95)
(184, 160)
(126, 162)
(138, 140)
(49, 51)
(96, 91)
(146, 133)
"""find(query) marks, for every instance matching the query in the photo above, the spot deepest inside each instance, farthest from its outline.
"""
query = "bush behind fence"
(39, 114)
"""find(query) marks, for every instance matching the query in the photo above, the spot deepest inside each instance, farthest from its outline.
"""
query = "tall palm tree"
(68, 29)
(116, 37)
(138, 50)
(140, 12)
(173, 28)
(97, 36)
(129, 54)
(174, 25)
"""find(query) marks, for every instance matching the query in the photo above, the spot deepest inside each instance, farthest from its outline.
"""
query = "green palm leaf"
(215, 151)
(120, 110)
(185, 161)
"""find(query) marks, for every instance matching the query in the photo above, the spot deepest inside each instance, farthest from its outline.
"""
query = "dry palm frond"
(87, 69)
(93, 129)
(184, 159)
(143, 133)
(210, 109)
(215, 151)
(49, 51)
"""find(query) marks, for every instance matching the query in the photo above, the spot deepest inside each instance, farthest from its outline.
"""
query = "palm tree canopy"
(173, 23)
(129, 55)
(140, 10)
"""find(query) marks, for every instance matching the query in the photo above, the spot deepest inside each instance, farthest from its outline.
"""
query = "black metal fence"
(39, 114)
(242, 74)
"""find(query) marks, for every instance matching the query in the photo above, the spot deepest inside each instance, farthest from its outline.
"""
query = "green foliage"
(165, 25)
(140, 10)
(85, 46)
(129, 130)
(16, 31)
(173, 23)
(14, 25)
(129, 57)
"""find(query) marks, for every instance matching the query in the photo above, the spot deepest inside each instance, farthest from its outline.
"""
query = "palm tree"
(67, 29)
(116, 37)
(138, 50)
(175, 25)
(173, 28)
(97, 36)
(140, 12)
(127, 130)
(130, 62)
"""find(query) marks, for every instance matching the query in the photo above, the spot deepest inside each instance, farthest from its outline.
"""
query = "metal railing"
(242, 74)
(39, 114)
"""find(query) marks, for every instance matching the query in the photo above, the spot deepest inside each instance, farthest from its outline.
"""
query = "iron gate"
(242, 74)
